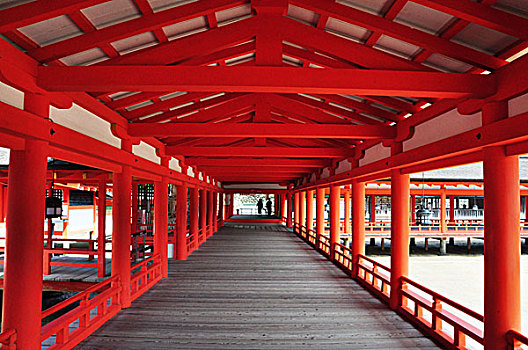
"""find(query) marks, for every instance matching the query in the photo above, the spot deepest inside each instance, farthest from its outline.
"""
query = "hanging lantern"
(423, 216)
(53, 207)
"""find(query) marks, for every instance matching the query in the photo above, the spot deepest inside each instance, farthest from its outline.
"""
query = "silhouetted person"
(268, 206)
(260, 205)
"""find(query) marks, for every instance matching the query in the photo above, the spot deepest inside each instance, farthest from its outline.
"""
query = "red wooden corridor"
(177, 106)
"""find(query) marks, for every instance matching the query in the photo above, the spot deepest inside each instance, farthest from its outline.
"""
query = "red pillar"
(181, 222)
(101, 230)
(413, 209)
(346, 226)
(502, 299)
(358, 222)
(203, 215)
(210, 216)
(334, 218)
(221, 208)
(296, 210)
(373, 208)
(161, 220)
(194, 213)
(452, 209)
(399, 234)
(2, 203)
(302, 209)
(443, 210)
(22, 296)
(309, 210)
(121, 216)
(283, 208)
(289, 210)
(135, 207)
(319, 203)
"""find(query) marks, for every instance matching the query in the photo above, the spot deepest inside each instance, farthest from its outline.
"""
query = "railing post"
(334, 219)
(502, 295)
(22, 295)
(358, 223)
(400, 193)
(296, 212)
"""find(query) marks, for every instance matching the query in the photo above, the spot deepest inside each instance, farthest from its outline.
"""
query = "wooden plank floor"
(256, 288)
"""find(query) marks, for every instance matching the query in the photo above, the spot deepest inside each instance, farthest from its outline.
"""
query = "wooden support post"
(373, 208)
(194, 213)
(309, 210)
(101, 230)
(215, 211)
(221, 208)
(161, 223)
(358, 223)
(413, 209)
(502, 278)
(334, 219)
(302, 210)
(135, 207)
(296, 212)
(2, 203)
(347, 222)
(122, 183)
(210, 228)
(400, 193)
(443, 210)
(452, 209)
(320, 213)
(181, 222)
(203, 215)
(289, 210)
(22, 295)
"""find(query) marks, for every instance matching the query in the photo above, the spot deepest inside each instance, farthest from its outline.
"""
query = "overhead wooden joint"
(276, 7)
(121, 132)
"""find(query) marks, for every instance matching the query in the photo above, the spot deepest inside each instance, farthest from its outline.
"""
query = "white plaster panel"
(375, 153)
(80, 120)
(200, 176)
(174, 165)
(518, 105)
(190, 172)
(11, 96)
(257, 187)
(325, 173)
(343, 167)
(146, 151)
(441, 127)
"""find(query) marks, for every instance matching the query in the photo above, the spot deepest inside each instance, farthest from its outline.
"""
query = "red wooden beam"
(483, 15)
(242, 169)
(276, 162)
(40, 10)
(402, 32)
(268, 152)
(265, 79)
(130, 28)
(338, 131)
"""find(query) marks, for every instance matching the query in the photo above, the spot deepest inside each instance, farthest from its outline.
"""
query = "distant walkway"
(259, 288)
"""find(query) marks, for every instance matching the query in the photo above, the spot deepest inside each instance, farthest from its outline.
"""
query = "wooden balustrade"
(91, 308)
(144, 275)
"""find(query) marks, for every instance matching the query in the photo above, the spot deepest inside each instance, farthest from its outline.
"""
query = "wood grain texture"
(256, 287)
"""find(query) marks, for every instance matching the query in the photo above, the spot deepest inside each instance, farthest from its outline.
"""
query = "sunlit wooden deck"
(253, 288)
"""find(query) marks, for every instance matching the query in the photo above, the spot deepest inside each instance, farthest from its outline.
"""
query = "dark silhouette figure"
(268, 206)
(260, 205)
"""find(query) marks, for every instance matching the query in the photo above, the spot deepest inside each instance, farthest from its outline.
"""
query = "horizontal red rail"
(96, 305)
(8, 339)
(374, 276)
(516, 340)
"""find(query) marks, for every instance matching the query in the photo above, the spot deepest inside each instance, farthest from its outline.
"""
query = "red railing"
(343, 257)
(94, 307)
(374, 276)
(516, 340)
(144, 275)
(440, 317)
(8, 339)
